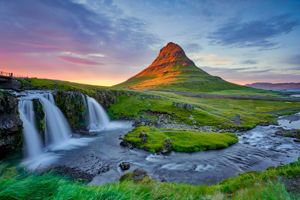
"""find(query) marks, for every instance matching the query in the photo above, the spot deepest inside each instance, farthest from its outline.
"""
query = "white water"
(57, 127)
(98, 118)
(33, 144)
(57, 131)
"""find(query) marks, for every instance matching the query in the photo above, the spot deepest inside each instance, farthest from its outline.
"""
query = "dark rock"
(294, 133)
(124, 165)
(143, 137)
(185, 106)
(167, 146)
(73, 105)
(10, 125)
(292, 184)
(73, 173)
(126, 144)
(139, 174)
(237, 119)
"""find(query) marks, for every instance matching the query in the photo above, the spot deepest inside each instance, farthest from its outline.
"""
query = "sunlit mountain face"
(107, 42)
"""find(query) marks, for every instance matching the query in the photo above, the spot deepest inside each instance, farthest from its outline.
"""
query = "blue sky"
(105, 42)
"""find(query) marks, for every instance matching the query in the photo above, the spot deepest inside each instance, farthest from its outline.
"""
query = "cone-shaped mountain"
(173, 70)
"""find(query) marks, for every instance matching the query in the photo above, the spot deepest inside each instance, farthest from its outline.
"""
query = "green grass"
(213, 112)
(47, 84)
(17, 184)
(218, 113)
(182, 140)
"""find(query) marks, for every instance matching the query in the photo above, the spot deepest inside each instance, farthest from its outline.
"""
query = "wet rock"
(167, 146)
(124, 165)
(143, 137)
(294, 133)
(72, 104)
(137, 175)
(126, 144)
(73, 173)
(185, 106)
(10, 124)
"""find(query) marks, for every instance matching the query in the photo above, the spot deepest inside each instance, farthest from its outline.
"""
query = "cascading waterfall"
(57, 130)
(33, 144)
(57, 127)
(97, 116)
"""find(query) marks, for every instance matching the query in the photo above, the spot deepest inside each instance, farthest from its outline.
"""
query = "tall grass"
(17, 184)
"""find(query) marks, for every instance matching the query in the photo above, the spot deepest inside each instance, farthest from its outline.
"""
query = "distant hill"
(172, 70)
(275, 86)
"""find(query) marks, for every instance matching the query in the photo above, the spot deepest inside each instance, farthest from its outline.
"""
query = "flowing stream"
(100, 155)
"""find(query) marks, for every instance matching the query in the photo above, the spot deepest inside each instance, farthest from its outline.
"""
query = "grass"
(219, 113)
(181, 140)
(47, 84)
(17, 184)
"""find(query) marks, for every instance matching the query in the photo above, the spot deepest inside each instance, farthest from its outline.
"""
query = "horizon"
(107, 42)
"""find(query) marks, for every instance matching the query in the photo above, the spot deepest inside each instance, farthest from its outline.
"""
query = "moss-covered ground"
(180, 140)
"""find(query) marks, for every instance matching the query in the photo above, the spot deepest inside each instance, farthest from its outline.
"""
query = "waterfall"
(33, 144)
(98, 118)
(57, 127)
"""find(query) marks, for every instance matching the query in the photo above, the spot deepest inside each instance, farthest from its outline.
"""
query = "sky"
(105, 42)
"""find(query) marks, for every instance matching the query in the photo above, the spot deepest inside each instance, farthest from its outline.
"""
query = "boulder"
(185, 106)
(124, 165)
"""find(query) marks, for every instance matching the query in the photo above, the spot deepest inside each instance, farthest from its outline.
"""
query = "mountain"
(172, 70)
(275, 86)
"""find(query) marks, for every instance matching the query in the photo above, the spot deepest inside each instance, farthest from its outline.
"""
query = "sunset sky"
(104, 42)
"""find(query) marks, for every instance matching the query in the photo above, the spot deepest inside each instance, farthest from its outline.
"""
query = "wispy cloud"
(211, 59)
(249, 62)
(257, 33)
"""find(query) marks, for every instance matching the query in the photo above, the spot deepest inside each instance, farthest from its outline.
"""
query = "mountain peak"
(172, 52)
(173, 70)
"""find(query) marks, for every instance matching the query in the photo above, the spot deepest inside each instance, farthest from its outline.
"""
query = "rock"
(73, 173)
(294, 133)
(10, 125)
(167, 146)
(237, 119)
(185, 106)
(124, 165)
(139, 174)
(126, 144)
(143, 137)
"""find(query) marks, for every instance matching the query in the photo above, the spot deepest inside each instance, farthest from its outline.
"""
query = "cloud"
(77, 60)
(249, 62)
(192, 47)
(294, 60)
(56, 26)
(258, 33)
(211, 59)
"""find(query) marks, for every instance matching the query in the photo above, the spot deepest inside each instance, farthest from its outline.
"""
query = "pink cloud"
(80, 61)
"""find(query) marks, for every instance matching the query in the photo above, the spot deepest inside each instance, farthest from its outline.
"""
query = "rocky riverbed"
(102, 159)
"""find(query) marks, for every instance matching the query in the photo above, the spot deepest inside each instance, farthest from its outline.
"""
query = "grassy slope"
(15, 184)
(35, 83)
(182, 140)
(207, 111)
(189, 79)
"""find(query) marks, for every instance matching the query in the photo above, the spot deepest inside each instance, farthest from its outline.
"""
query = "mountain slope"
(275, 86)
(172, 70)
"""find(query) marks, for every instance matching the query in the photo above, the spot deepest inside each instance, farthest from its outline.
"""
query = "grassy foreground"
(16, 184)
(180, 140)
